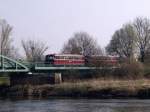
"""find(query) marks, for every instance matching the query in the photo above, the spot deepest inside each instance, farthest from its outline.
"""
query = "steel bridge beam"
(10, 65)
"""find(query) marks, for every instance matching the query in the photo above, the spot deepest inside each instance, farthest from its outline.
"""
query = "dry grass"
(99, 84)
(90, 88)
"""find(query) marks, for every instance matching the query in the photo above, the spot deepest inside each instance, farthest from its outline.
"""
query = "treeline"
(131, 41)
(34, 50)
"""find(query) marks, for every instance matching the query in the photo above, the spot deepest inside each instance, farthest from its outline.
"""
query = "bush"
(131, 69)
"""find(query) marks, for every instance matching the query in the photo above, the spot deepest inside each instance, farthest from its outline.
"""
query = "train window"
(74, 57)
(63, 57)
(70, 57)
(60, 57)
(49, 57)
(77, 58)
(67, 57)
(57, 57)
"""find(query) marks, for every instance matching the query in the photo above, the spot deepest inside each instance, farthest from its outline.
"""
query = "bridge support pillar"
(57, 78)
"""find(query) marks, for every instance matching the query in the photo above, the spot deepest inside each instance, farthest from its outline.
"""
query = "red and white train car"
(99, 60)
(65, 59)
(80, 60)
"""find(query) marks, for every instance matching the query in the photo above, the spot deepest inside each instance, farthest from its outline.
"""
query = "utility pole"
(1, 34)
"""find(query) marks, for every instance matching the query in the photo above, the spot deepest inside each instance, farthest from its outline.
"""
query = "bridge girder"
(10, 65)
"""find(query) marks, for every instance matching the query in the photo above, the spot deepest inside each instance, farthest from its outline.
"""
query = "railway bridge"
(11, 67)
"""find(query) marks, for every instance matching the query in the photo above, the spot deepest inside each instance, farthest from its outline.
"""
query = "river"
(74, 105)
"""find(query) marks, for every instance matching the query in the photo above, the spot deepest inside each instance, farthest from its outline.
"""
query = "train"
(80, 60)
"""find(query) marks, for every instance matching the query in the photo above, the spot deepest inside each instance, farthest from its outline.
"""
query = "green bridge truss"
(10, 65)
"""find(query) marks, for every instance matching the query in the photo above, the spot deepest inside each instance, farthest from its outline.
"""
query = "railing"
(46, 66)
(42, 64)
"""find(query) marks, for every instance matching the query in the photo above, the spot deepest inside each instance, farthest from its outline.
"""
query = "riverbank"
(94, 88)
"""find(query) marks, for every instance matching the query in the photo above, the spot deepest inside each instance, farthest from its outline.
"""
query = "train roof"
(77, 55)
(104, 56)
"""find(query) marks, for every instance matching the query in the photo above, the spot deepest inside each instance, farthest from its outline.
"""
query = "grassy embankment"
(94, 88)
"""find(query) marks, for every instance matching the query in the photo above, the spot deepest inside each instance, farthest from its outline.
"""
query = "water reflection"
(72, 105)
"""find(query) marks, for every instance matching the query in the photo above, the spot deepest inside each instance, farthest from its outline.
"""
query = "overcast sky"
(54, 21)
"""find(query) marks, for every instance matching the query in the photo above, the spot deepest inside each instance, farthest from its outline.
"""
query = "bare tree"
(6, 47)
(142, 29)
(122, 42)
(82, 43)
(34, 50)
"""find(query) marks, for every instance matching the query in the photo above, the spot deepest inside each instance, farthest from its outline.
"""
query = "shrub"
(131, 69)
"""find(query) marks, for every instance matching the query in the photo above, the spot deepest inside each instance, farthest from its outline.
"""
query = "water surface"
(74, 105)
